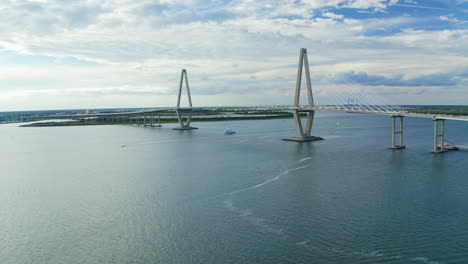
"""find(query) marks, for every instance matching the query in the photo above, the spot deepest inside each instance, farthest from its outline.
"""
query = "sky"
(61, 54)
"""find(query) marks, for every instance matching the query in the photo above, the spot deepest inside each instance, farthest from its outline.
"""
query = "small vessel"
(228, 131)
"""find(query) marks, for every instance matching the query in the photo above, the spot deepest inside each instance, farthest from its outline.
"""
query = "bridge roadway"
(279, 108)
(440, 143)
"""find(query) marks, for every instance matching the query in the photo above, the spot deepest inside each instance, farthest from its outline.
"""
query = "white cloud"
(452, 19)
(142, 45)
(332, 15)
(365, 4)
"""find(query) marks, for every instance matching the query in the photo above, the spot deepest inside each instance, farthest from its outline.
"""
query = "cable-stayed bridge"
(340, 95)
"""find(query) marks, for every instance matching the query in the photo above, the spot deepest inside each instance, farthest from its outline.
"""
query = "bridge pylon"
(184, 124)
(301, 134)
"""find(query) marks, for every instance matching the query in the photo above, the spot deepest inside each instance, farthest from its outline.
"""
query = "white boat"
(228, 131)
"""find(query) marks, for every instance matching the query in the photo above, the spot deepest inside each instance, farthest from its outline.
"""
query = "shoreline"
(98, 122)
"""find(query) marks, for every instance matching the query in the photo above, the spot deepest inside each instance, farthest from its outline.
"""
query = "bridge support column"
(440, 144)
(439, 136)
(147, 125)
(152, 121)
(184, 125)
(301, 135)
(394, 146)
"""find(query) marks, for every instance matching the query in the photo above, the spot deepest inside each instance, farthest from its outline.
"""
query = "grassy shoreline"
(102, 121)
(440, 110)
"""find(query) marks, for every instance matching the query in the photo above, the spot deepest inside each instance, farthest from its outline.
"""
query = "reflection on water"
(75, 195)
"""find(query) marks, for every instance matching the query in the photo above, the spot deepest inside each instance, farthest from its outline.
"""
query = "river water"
(123, 194)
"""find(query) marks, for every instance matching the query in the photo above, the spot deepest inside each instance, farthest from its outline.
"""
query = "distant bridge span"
(267, 107)
(369, 105)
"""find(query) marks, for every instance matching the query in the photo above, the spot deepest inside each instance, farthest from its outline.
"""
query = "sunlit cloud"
(240, 47)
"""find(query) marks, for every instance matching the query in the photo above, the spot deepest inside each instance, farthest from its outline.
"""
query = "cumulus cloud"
(434, 79)
(241, 46)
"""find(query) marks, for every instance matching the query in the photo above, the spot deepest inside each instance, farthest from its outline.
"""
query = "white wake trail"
(304, 159)
(286, 172)
(248, 214)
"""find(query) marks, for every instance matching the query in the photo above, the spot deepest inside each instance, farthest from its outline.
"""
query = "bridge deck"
(279, 108)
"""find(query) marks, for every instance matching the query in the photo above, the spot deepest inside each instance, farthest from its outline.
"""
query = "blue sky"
(57, 54)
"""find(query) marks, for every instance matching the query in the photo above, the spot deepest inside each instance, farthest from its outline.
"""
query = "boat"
(228, 131)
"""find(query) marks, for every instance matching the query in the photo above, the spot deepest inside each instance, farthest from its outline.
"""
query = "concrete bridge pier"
(301, 135)
(145, 124)
(439, 132)
(184, 125)
(152, 121)
(439, 137)
(394, 146)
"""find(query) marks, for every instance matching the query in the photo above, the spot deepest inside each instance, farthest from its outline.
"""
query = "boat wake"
(286, 172)
(424, 260)
(247, 214)
(304, 159)
(260, 223)
(368, 254)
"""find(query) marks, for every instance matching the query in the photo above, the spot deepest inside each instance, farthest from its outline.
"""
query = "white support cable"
(339, 99)
(379, 107)
(373, 103)
(368, 107)
(335, 100)
(317, 99)
(339, 96)
(339, 93)
(385, 108)
(342, 94)
(391, 108)
(394, 107)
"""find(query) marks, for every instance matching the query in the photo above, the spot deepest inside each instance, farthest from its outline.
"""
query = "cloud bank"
(60, 50)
